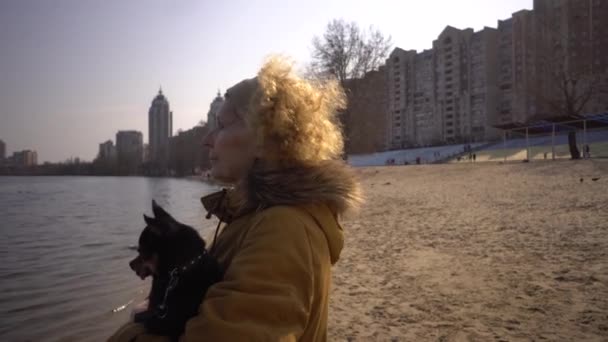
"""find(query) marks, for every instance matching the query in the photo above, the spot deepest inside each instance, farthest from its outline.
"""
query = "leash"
(173, 281)
(178, 271)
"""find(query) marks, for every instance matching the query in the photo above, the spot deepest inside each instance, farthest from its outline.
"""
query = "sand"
(476, 252)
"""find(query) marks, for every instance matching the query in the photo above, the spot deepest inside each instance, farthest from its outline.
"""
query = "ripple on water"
(66, 246)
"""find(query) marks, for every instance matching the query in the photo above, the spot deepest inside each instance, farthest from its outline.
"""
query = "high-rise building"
(214, 108)
(25, 158)
(398, 77)
(446, 94)
(107, 151)
(2, 151)
(129, 150)
(146, 157)
(470, 82)
(572, 39)
(367, 103)
(452, 55)
(412, 119)
(187, 155)
(558, 43)
(32, 158)
(482, 86)
(505, 72)
(518, 82)
(160, 121)
(524, 66)
(424, 119)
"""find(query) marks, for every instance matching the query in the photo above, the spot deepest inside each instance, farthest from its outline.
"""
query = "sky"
(73, 73)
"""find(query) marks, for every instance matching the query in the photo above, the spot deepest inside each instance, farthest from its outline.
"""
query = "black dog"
(181, 268)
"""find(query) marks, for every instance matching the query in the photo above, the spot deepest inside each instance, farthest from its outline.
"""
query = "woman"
(278, 143)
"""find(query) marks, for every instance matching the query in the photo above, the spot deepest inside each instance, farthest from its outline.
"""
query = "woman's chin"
(221, 177)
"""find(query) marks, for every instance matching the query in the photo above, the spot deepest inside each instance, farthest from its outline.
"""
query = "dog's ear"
(162, 220)
(159, 212)
(153, 224)
(150, 221)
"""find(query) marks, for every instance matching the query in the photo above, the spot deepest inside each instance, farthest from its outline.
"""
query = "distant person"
(474, 156)
(278, 143)
(586, 151)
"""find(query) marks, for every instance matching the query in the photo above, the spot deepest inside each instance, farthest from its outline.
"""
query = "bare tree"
(347, 52)
(571, 90)
(570, 82)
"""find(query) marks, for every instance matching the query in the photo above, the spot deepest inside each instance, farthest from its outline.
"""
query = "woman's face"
(231, 145)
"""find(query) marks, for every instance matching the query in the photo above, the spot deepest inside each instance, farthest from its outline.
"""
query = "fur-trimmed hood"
(324, 192)
(332, 183)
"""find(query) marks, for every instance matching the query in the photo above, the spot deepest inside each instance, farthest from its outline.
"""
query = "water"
(64, 250)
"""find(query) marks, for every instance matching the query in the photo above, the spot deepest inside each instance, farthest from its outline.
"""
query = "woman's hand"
(141, 307)
(136, 332)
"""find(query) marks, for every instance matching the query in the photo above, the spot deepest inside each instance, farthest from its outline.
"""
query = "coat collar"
(332, 183)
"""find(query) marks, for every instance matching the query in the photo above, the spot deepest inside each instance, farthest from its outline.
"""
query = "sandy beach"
(476, 252)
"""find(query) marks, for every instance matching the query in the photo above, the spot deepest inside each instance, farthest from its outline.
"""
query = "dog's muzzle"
(140, 268)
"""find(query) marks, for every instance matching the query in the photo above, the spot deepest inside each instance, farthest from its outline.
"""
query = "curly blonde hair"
(294, 120)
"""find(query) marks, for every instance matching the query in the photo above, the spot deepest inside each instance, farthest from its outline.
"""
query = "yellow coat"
(278, 271)
(277, 261)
